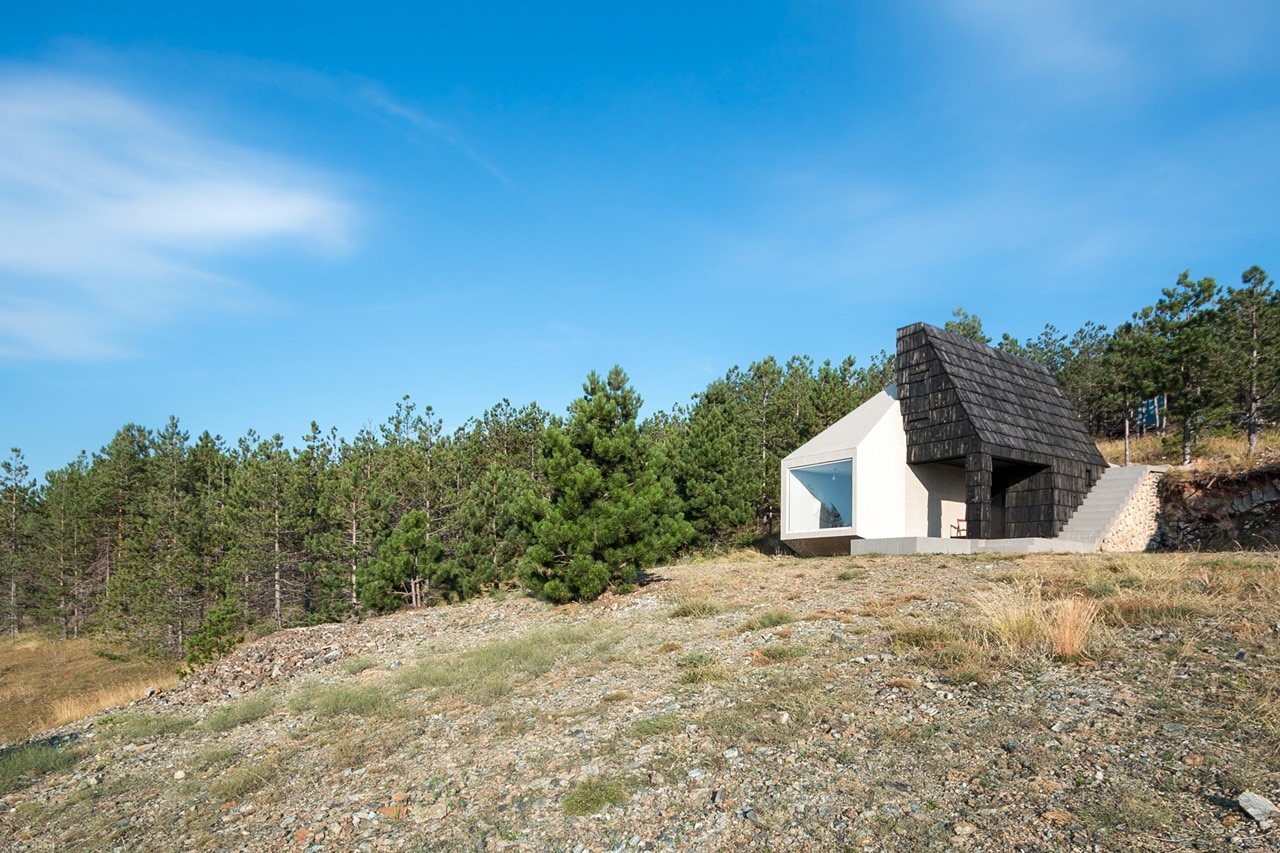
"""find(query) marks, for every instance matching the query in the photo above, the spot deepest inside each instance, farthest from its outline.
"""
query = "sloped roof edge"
(848, 432)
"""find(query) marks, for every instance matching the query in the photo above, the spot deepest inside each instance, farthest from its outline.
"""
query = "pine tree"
(495, 461)
(489, 537)
(968, 325)
(715, 470)
(66, 542)
(609, 509)
(1251, 320)
(407, 566)
(264, 555)
(356, 512)
(17, 492)
(1190, 353)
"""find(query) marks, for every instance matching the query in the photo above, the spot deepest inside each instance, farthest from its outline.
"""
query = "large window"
(820, 496)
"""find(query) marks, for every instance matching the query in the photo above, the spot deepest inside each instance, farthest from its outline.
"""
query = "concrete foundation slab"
(937, 545)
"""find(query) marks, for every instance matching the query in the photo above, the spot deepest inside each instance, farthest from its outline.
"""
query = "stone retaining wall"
(1138, 524)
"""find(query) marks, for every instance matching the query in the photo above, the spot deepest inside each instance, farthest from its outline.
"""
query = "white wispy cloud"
(115, 213)
(420, 121)
(1090, 50)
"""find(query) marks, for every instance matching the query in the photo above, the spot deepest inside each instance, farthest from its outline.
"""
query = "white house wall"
(880, 481)
(935, 499)
(873, 437)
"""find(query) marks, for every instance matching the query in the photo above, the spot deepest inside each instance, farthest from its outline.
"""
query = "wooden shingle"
(1024, 449)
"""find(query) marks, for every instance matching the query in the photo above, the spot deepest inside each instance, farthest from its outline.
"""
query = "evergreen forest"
(184, 546)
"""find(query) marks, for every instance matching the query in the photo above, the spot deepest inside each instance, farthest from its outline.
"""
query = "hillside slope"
(913, 703)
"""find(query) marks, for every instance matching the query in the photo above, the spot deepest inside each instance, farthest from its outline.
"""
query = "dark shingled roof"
(1029, 461)
(1012, 405)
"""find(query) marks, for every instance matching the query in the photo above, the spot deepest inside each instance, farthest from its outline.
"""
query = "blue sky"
(257, 216)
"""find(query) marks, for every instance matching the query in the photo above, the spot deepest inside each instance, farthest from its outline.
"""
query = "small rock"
(784, 718)
(179, 775)
(1259, 808)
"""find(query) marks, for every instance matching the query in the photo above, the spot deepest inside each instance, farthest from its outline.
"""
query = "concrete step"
(1094, 518)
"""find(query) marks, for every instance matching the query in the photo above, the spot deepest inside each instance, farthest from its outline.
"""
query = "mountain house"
(973, 449)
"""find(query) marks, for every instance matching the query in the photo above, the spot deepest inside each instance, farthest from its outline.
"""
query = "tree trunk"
(1255, 399)
(279, 596)
(355, 539)
(1126, 436)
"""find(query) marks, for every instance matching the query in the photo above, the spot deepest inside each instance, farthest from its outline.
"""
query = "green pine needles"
(607, 508)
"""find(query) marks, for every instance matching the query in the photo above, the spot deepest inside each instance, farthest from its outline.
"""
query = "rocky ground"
(755, 703)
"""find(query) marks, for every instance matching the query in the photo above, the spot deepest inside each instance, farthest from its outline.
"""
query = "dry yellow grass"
(1014, 616)
(1210, 453)
(1069, 625)
(85, 704)
(46, 682)
(1021, 622)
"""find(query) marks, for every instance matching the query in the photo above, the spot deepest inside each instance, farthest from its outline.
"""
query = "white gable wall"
(872, 436)
(880, 480)
(890, 499)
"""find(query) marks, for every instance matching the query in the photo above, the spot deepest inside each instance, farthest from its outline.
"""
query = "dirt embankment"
(1221, 512)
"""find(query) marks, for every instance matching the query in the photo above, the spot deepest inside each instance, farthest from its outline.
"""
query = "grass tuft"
(1068, 624)
(781, 653)
(1013, 616)
(921, 637)
(657, 725)
(328, 701)
(594, 795)
(227, 718)
(22, 765)
(770, 619)
(355, 666)
(139, 728)
(696, 608)
(698, 668)
(492, 671)
(234, 784)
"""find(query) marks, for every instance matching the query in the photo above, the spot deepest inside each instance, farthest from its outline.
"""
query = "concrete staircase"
(1105, 502)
